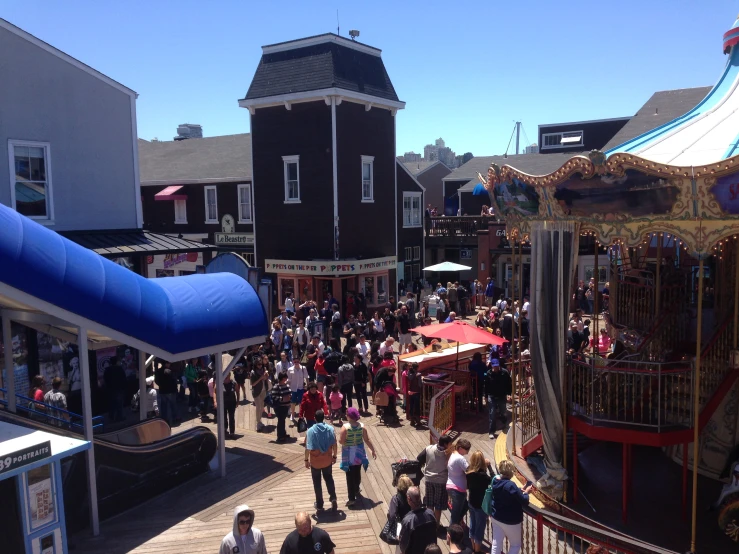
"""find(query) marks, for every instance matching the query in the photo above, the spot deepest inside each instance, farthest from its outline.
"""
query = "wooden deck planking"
(273, 480)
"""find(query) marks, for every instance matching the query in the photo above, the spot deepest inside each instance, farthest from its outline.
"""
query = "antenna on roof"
(338, 27)
(354, 34)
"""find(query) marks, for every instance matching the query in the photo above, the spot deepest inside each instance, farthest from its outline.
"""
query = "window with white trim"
(180, 211)
(416, 253)
(244, 203)
(368, 174)
(211, 205)
(30, 178)
(292, 178)
(408, 254)
(412, 212)
(562, 140)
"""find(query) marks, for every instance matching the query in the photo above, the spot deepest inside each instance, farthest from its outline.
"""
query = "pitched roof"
(661, 108)
(315, 65)
(199, 160)
(533, 164)
(417, 167)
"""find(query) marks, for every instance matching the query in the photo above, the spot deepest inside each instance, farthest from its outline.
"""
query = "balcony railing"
(631, 393)
(462, 226)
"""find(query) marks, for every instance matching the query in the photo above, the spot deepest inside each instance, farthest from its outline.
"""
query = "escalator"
(132, 465)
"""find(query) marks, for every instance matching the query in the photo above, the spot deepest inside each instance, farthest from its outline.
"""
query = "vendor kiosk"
(31, 489)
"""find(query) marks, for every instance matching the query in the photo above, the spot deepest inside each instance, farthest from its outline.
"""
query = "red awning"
(169, 193)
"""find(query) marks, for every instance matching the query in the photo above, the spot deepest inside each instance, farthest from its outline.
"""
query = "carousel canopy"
(707, 133)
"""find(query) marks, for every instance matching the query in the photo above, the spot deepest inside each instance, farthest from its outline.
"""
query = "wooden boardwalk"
(272, 479)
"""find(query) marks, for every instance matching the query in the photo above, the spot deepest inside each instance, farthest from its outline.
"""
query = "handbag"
(304, 358)
(487, 500)
(302, 425)
(381, 399)
(389, 533)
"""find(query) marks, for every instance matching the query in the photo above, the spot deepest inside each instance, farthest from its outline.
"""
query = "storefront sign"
(233, 239)
(176, 259)
(25, 456)
(339, 267)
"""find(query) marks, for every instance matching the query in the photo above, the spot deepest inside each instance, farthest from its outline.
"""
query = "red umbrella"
(459, 331)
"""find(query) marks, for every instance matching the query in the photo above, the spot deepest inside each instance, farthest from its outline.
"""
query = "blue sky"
(467, 70)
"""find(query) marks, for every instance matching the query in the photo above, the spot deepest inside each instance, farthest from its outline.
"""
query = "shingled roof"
(318, 63)
(198, 160)
(661, 108)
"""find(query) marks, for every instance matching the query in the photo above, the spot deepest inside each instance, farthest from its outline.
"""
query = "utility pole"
(518, 136)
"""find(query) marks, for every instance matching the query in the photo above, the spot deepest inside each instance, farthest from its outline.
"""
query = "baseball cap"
(495, 362)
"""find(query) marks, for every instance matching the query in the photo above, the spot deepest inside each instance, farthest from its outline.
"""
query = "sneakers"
(491, 435)
(334, 506)
(350, 503)
(317, 507)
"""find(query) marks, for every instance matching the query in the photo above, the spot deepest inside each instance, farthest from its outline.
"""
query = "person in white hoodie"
(245, 538)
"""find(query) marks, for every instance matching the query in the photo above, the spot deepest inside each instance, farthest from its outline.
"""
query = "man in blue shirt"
(452, 317)
(489, 292)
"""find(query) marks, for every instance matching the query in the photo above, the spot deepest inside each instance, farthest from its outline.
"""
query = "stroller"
(411, 468)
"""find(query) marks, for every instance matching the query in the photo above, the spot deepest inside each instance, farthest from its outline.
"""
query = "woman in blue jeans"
(479, 477)
(456, 484)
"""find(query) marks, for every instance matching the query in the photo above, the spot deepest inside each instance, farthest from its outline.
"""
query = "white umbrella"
(447, 266)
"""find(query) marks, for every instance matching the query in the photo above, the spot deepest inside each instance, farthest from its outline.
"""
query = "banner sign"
(330, 267)
(25, 456)
(233, 239)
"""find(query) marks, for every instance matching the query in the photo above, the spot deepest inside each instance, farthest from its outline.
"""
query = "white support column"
(9, 369)
(220, 415)
(87, 418)
(142, 386)
(233, 361)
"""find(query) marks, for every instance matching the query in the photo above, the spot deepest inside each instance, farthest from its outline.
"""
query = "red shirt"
(38, 395)
(312, 403)
(320, 368)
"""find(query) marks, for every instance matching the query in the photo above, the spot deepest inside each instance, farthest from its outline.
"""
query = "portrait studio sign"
(330, 267)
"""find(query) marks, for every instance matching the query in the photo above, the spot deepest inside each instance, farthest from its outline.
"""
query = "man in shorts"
(404, 327)
(434, 460)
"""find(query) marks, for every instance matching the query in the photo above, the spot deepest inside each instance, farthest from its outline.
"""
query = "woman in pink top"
(456, 483)
(604, 342)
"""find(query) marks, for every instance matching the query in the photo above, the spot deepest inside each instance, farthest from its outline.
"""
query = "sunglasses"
(244, 521)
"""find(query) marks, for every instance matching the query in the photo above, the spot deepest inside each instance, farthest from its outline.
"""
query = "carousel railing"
(666, 335)
(442, 414)
(465, 385)
(715, 359)
(550, 533)
(655, 395)
(460, 226)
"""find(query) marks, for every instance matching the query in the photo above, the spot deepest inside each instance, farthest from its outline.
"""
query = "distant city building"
(411, 157)
(531, 149)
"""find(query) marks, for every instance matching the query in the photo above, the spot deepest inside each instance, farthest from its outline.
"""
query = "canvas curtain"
(554, 247)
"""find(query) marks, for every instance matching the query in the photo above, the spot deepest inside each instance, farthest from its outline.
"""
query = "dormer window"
(562, 140)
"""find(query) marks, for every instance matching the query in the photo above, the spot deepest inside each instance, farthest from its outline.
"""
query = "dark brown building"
(200, 189)
(324, 176)
(430, 175)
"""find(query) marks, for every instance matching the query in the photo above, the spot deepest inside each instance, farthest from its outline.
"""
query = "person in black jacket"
(399, 506)
(479, 476)
(507, 509)
(167, 396)
(498, 388)
(360, 382)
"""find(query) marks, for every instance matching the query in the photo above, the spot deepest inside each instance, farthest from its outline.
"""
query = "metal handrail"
(70, 422)
(649, 395)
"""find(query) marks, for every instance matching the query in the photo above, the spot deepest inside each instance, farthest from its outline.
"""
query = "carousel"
(662, 214)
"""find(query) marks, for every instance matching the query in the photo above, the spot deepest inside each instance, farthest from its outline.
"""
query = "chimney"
(188, 131)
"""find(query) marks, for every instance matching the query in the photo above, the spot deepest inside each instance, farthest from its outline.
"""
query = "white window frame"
(369, 160)
(215, 194)
(376, 299)
(239, 188)
(562, 135)
(285, 161)
(182, 203)
(408, 254)
(12, 143)
(412, 195)
(416, 253)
